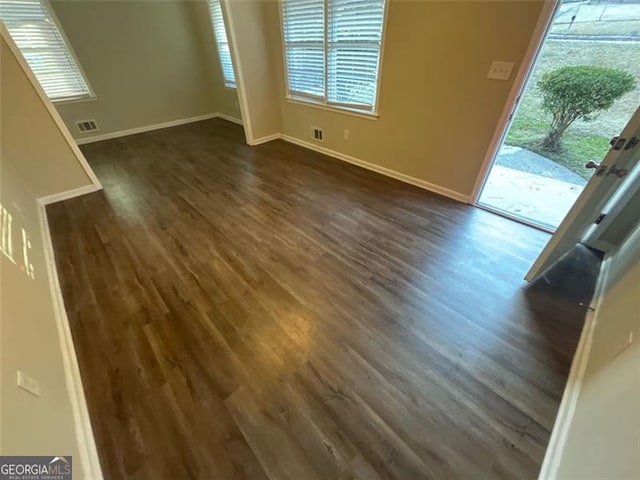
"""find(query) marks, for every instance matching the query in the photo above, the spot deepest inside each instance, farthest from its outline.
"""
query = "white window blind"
(222, 42)
(39, 38)
(332, 50)
(304, 39)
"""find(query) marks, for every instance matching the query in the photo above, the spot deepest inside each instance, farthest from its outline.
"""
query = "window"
(222, 41)
(34, 29)
(332, 50)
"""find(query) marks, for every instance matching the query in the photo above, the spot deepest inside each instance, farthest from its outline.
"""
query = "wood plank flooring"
(272, 313)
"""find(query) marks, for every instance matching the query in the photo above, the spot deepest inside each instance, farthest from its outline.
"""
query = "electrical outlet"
(346, 134)
(500, 70)
(28, 384)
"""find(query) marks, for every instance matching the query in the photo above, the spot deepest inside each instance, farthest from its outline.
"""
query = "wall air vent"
(317, 134)
(87, 126)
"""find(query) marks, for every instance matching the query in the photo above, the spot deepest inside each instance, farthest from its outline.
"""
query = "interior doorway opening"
(561, 125)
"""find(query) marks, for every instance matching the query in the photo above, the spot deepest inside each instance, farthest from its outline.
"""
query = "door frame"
(510, 109)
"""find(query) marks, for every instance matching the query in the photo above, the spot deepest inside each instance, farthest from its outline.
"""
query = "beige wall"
(604, 435)
(35, 160)
(254, 36)
(148, 62)
(48, 164)
(225, 100)
(438, 111)
(29, 338)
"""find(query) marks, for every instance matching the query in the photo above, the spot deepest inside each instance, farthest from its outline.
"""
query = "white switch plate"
(28, 384)
(500, 70)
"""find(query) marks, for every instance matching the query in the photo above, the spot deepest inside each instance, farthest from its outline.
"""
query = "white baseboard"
(460, 197)
(555, 449)
(76, 192)
(89, 461)
(265, 139)
(229, 118)
(148, 128)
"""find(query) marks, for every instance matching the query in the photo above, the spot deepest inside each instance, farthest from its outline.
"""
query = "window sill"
(84, 98)
(331, 108)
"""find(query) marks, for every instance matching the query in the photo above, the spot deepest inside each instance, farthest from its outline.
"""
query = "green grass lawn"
(583, 141)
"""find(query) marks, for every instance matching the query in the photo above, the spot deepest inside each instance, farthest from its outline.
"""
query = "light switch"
(500, 70)
(28, 384)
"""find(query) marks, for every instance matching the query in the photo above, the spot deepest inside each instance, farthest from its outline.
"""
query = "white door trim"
(528, 62)
(232, 39)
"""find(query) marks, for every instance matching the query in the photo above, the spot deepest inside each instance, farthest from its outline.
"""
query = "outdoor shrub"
(580, 93)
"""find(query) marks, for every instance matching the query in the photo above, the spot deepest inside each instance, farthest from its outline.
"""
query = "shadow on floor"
(567, 289)
(572, 279)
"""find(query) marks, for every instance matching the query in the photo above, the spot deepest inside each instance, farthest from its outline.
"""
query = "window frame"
(91, 94)
(227, 83)
(301, 98)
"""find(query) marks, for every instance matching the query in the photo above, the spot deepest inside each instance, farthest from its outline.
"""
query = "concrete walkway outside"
(530, 186)
(530, 162)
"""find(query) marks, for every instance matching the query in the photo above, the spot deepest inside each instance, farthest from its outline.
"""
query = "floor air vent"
(87, 126)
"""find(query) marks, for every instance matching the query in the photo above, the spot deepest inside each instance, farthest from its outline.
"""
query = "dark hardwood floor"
(270, 312)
